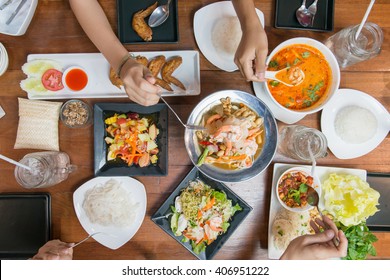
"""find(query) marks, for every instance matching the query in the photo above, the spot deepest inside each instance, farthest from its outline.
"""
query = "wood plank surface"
(54, 29)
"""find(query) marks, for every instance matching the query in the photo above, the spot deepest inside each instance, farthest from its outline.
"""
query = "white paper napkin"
(14, 28)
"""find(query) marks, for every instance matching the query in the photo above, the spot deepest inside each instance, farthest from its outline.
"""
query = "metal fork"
(313, 10)
(2, 7)
(188, 126)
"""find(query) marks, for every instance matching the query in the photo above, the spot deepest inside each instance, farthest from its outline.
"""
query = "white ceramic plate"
(288, 117)
(114, 237)
(22, 20)
(99, 84)
(3, 59)
(204, 22)
(323, 173)
(351, 97)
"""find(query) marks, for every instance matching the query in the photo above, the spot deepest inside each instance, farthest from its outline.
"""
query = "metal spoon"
(303, 15)
(189, 126)
(159, 15)
(313, 10)
(297, 76)
(313, 200)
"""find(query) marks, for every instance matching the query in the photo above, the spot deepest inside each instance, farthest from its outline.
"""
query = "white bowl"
(66, 72)
(316, 185)
(332, 61)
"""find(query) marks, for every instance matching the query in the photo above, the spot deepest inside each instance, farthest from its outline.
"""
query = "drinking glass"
(294, 142)
(349, 50)
(47, 169)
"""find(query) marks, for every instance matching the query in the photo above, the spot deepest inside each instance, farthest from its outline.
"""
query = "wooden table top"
(54, 29)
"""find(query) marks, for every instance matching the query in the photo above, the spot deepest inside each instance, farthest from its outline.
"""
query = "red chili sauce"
(76, 79)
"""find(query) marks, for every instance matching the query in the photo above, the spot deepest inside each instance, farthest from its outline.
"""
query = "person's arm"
(252, 51)
(317, 246)
(137, 80)
(55, 250)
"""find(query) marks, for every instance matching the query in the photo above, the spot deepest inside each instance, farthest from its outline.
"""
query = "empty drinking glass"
(294, 141)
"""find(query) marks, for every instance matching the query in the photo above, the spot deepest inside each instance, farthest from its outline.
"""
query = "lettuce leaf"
(349, 199)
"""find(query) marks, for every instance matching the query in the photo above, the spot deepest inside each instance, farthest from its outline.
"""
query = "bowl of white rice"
(354, 123)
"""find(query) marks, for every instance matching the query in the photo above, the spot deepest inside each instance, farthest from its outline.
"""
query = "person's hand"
(318, 246)
(139, 83)
(55, 250)
(251, 53)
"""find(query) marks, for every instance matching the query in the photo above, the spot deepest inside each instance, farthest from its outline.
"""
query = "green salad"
(201, 214)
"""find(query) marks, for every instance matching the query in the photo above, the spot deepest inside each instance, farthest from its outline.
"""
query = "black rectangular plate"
(120, 168)
(285, 15)
(380, 221)
(215, 246)
(165, 33)
(25, 221)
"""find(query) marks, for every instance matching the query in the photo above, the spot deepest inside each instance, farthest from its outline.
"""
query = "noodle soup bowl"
(261, 160)
(321, 81)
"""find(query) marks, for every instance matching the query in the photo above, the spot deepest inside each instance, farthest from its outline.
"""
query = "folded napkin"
(21, 21)
(38, 125)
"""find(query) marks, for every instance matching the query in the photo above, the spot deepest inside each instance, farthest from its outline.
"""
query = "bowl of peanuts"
(76, 114)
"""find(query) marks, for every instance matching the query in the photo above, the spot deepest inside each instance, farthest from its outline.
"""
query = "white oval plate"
(351, 97)
(113, 237)
(204, 21)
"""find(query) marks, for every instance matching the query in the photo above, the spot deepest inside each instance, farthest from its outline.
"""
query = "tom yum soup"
(233, 138)
(318, 76)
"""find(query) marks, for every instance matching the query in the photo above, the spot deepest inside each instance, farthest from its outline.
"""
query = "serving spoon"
(313, 198)
(303, 15)
(296, 76)
(159, 15)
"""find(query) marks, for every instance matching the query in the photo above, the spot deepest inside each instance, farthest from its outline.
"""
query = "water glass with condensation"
(294, 142)
(349, 50)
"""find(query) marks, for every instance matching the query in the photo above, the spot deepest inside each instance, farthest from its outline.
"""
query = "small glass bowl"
(76, 113)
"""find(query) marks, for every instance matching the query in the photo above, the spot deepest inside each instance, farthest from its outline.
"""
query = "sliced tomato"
(121, 121)
(52, 80)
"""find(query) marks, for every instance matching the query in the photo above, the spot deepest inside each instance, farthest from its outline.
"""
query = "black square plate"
(380, 182)
(103, 167)
(25, 224)
(165, 33)
(164, 223)
(285, 15)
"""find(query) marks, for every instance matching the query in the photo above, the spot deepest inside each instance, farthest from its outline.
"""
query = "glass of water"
(349, 50)
(47, 169)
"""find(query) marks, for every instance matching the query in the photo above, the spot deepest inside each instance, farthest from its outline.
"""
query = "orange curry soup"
(318, 76)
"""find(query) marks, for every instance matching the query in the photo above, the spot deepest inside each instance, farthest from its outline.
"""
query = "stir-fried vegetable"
(132, 139)
(292, 189)
(201, 214)
(233, 138)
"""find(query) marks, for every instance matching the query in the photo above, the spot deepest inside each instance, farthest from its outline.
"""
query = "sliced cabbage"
(349, 199)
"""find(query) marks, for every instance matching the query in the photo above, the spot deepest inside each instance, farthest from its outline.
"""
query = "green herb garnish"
(305, 54)
(273, 63)
(360, 241)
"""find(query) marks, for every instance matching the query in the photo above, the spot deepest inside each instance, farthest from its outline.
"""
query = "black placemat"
(25, 221)
(285, 15)
(165, 33)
